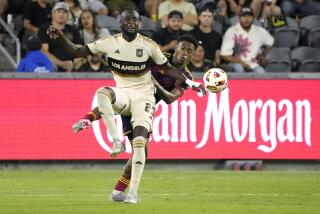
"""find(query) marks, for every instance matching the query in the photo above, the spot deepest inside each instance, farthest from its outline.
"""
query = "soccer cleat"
(117, 196)
(132, 197)
(117, 148)
(80, 125)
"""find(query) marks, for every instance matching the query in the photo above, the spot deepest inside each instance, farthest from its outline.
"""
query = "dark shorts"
(126, 125)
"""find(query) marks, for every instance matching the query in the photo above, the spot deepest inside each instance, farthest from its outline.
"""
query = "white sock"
(138, 162)
(105, 107)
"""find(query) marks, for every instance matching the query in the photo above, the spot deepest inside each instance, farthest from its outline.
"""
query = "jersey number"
(150, 109)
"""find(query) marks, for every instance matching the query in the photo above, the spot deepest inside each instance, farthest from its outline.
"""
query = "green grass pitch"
(161, 191)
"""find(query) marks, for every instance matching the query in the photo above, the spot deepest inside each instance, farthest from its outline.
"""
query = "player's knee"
(141, 128)
(103, 91)
(108, 92)
(139, 142)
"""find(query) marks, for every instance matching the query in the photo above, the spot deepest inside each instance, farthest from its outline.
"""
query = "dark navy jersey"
(167, 82)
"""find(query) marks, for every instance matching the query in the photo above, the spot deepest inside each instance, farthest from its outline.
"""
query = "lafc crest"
(139, 52)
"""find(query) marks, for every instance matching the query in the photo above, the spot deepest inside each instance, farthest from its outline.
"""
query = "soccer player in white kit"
(129, 58)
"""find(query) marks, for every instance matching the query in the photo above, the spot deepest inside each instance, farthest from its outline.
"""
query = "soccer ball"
(215, 80)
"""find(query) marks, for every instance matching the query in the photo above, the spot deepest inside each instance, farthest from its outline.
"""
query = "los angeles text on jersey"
(128, 68)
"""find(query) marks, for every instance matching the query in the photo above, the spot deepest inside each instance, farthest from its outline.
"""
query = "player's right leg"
(142, 109)
(113, 100)
(85, 122)
(118, 193)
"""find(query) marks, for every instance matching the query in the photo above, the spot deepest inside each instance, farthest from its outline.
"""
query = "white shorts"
(137, 102)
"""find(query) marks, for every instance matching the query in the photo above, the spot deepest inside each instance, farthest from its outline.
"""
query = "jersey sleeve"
(157, 55)
(100, 45)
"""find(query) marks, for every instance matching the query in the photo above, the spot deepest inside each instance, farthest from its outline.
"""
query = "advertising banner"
(252, 119)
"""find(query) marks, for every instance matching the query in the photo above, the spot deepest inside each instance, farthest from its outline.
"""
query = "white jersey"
(129, 61)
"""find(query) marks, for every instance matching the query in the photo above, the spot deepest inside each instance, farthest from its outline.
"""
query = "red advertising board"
(252, 119)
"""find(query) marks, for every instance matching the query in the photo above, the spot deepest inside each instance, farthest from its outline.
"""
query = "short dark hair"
(206, 8)
(188, 38)
(33, 43)
(174, 13)
(127, 9)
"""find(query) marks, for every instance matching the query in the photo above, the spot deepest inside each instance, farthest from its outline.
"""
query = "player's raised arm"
(76, 51)
(167, 96)
(173, 72)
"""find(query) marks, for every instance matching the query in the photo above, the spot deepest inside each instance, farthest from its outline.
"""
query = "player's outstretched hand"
(196, 86)
(53, 32)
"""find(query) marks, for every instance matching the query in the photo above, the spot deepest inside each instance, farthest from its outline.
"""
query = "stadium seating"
(286, 37)
(278, 60)
(148, 27)
(291, 22)
(108, 22)
(310, 25)
(306, 59)
(314, 38)
(235, 19)
(310, 22)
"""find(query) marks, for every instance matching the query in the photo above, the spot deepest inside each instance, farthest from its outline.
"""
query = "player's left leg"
(113, 100)
(86, 120)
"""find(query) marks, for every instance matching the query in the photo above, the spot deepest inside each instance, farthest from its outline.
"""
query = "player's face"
(184, 52)
(60, 16)
(130, 22)
(246, 21)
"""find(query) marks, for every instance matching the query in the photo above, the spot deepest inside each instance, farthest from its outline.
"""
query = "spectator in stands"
(236, 5)
(199, 4)
(89, 30)
(116, 6)
(74, 11)
(92, 63)
(35, 60)
(36, 13)
(295, 8)
(96, 6)
(188, 10)
(268, 9)
(149, 8)
(211, 39)
(222, 8)
(167, 37)
(243, 44)
(54, 51)
(12, 6)
(221, 17)
(198, 62)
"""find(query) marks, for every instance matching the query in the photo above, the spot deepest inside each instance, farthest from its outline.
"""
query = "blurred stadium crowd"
(290, 27)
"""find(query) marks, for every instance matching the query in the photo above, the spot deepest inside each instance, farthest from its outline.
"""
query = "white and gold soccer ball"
(215, 80)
